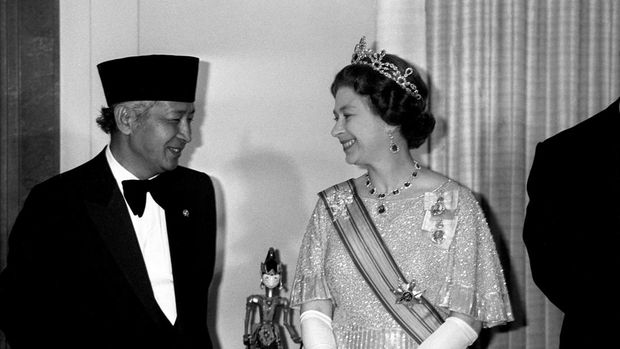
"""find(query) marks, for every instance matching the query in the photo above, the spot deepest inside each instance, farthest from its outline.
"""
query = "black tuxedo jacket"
(76, 277)
(572, 230)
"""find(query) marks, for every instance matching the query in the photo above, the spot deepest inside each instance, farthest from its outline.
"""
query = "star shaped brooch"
(406, 293)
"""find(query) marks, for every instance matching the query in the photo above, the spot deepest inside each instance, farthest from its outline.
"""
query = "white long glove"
(452, 334)
(316, 330)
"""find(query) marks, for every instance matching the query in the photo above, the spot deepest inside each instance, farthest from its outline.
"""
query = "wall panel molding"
(29, 105)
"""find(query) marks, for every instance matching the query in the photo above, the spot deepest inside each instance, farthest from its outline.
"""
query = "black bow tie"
(135, 193)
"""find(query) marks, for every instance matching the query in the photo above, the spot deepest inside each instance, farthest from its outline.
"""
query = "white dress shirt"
(152, 236)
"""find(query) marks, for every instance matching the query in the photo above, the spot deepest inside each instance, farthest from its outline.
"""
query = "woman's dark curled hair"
(389, 100)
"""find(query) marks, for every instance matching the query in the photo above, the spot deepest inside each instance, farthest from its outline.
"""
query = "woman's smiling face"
(361, 132)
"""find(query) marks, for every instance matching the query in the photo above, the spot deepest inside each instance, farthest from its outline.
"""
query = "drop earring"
(394, 148)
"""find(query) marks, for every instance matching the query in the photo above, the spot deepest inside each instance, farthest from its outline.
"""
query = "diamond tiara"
(362, 54)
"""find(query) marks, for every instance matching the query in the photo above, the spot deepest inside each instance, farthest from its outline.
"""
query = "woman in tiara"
(402, 256)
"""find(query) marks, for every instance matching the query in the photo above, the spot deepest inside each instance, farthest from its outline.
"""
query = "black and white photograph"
(326, 174)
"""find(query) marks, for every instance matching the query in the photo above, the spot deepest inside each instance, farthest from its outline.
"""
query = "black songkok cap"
(149, 78)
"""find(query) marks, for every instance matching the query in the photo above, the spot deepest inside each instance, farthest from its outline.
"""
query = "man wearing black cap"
(119, 252)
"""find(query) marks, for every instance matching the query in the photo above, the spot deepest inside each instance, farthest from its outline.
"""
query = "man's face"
(158, 137)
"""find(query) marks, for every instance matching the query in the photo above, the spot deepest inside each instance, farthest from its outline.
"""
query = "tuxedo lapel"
(181, 232)
(108, 211)
(182, 221)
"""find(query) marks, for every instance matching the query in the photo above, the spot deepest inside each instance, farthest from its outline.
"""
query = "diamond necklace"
(381, 196)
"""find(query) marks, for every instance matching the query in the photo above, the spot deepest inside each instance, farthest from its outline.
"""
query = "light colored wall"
(264, 111)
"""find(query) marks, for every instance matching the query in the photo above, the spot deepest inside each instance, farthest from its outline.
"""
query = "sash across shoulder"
(374, 261)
